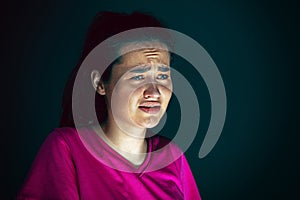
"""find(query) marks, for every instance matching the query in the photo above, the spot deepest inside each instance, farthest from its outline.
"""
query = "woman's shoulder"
(62, 136)
(62, 133)
(164, 143)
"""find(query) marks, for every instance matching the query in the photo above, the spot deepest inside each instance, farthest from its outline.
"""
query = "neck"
(130, 140)
(125, 140)
(131, 145)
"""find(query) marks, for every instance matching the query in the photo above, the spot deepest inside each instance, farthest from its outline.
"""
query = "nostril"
(151, 92)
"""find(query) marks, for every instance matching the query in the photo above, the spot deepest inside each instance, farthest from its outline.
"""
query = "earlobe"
(101, 88)
(97, 83)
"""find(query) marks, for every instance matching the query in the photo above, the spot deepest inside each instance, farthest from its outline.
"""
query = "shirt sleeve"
(52, 175)
(190, 189)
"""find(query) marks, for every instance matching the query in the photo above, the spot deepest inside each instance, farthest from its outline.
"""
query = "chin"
(150, 122)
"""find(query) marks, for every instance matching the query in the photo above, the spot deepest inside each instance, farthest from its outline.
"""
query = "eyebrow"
(145, 69)
(140, 70)
(164, 69)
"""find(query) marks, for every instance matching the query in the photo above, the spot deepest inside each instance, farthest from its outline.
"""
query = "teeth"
(150, 104)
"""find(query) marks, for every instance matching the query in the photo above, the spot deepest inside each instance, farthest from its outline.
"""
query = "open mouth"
(150, 107)
(150, 110)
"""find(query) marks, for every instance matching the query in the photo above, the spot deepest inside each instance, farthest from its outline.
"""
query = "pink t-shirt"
(66, 168)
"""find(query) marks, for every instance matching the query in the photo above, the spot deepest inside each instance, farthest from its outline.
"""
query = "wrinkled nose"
(151, 92)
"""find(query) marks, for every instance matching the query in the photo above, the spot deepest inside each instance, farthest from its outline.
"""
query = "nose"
(151, 92)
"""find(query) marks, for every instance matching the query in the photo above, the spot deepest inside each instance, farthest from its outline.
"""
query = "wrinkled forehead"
(136, 53)
(139, 45)
(142, 55)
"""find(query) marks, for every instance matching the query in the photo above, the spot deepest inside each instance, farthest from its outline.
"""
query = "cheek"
(120, 99)
(166, 93)
(135, 97)
(123, 92)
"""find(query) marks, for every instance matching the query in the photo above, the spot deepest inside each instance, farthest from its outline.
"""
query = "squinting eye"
(137, 78)
(162, 76)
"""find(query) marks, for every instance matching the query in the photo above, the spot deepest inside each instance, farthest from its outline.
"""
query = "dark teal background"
(253, 43)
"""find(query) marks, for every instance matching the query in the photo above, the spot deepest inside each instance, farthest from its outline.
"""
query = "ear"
(97, 83)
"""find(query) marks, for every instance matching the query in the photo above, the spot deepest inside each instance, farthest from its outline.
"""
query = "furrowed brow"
(140, 70)
(164, 69)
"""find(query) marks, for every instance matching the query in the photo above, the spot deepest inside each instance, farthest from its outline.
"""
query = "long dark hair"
(104, 25)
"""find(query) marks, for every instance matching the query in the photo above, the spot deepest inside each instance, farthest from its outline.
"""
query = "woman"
(116, 159)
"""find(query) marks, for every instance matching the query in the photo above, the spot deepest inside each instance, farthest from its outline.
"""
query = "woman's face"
(140, 88)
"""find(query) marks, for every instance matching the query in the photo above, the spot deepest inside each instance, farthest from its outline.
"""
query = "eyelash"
(165, 76)
(137, 78)
(141, 77)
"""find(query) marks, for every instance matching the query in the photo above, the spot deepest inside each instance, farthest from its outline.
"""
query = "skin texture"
(137, 96)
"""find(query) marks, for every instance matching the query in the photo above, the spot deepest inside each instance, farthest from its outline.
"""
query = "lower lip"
(150, 110)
